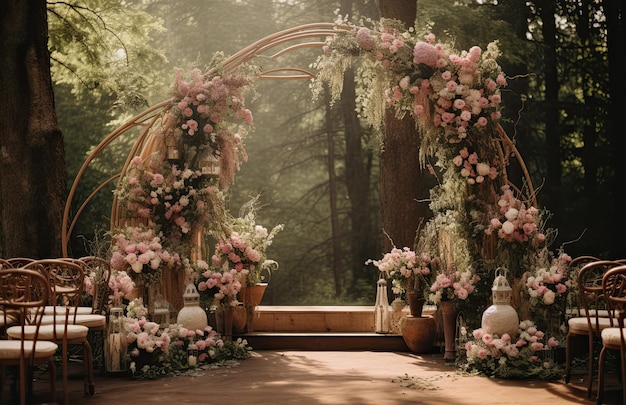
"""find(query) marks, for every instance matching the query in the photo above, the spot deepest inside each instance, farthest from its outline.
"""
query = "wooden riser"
(321, 328)
(325, 341)
(320, 319)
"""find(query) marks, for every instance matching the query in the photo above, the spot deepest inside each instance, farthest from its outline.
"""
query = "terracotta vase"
(416, 303)
(252, 296)
(239, 318)
(449, 314)
(418, 333)
(224, 321)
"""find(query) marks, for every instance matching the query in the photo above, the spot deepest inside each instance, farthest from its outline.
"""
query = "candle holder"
(115, 345)
(192, 355)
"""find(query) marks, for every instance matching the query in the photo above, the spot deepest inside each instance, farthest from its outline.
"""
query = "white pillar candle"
(115, 347)
(192, 361)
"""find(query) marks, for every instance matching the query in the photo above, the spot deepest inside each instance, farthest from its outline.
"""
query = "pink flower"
(425, 53)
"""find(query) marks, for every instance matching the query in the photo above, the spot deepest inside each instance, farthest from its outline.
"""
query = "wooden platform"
(320, 328)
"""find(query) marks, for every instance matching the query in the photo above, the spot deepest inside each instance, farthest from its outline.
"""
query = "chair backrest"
(573, 301)
(66, 279)
(16, 262)
(591, 292)
(614, 286)
(100, 271)
(23, 294)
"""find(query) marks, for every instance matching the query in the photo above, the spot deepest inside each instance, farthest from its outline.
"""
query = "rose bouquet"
(408, 271)
(245, 248)
(452, 284)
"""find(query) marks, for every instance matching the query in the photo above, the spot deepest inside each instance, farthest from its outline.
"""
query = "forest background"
(316, 167)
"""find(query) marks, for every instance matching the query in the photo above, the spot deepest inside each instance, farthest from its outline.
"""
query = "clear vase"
(115, 346)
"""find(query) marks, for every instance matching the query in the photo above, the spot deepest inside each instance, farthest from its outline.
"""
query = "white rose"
(511, 214)
(508, 227)
(548, 297)
(483, 169)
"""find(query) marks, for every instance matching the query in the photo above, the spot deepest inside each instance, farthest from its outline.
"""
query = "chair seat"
(579, 325)
(92, 321)
(10, 320)
(60, 310)
(611, 338)
(47, 332)
(10, 349)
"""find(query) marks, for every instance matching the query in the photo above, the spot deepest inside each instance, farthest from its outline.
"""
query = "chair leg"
(90, 387)
(599, 395)
(568, 358)
(590, 366)
(623, 376)
(52, 369)
(66, 399)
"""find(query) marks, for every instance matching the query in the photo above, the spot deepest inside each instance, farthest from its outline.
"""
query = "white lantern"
(501, 317)
(192, 316)
(381, 309)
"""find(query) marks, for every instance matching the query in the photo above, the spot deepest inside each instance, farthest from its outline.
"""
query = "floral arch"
(195, 140)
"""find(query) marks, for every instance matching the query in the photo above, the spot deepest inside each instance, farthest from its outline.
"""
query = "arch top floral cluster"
(451, 94)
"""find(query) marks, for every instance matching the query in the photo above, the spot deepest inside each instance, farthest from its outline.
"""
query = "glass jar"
(115, 346)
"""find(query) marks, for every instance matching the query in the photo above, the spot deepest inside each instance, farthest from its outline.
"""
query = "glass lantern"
(501, 317)
(192, 355)
(115, 347)
(381, 309)
(192, 316)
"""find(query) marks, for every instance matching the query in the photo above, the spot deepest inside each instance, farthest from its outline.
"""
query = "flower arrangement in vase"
(410, 274)
(245, 247)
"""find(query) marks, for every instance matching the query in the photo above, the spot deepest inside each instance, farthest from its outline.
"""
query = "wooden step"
(321, 328)
(324, 341)
(318, 319)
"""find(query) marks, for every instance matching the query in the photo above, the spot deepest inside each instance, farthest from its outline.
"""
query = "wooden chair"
(594, 316)
(66, 280)
(102, 270)
(17, 262)
(24, 293)
(614, 286)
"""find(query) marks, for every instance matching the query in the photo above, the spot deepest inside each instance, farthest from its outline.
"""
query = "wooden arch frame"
(147, 118)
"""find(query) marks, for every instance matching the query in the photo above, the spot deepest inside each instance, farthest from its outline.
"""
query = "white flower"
(508, 227)
(483, 169)
(511, 214)
(548, 297)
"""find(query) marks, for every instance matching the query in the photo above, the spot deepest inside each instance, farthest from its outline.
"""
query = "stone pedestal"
(418, 333)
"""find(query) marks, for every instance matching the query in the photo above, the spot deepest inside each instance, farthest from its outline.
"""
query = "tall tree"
(32, 171)
(402, 179)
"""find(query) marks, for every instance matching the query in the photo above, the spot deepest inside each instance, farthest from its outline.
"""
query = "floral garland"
(139, 249)
(208, 115)
(452, 95)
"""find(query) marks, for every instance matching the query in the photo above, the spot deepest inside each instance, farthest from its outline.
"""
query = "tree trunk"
(402, 185)
(32, 173)
(614, 11)
(332, 191)
(553, 184)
